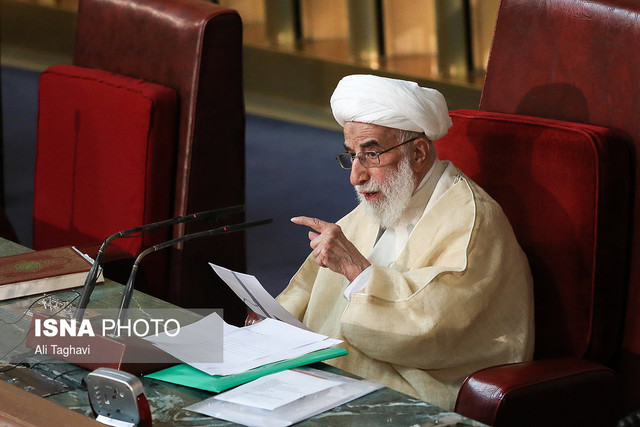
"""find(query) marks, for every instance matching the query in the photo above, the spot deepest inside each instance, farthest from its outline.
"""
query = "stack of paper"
(263, 343)
(284, 398)
(244, 348)
(276, 390)
(189, 376)
(277, 343)
(248, 353)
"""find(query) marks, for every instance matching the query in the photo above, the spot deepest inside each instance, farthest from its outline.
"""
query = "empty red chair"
(194, 48)
(105, 152)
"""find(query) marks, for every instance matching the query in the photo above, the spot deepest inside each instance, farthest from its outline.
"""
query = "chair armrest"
(567, 391)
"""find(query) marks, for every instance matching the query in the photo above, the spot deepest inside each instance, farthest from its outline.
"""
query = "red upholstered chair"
(566, 190)
(576, 60)
(105, 152)
(193, 47)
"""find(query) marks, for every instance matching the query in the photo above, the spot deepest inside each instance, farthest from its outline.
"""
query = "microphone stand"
(128, 291)
(90, 281)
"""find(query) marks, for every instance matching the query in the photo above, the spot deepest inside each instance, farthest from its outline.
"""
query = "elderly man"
(424, 281)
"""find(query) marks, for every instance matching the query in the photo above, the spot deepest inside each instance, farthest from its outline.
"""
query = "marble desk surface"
(382, 407)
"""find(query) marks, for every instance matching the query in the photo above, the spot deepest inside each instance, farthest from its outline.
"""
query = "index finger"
(315, 223)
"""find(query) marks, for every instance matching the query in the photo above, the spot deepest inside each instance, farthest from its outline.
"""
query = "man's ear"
(420, 153)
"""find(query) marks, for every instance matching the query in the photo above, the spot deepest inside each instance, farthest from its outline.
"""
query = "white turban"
(392, 103)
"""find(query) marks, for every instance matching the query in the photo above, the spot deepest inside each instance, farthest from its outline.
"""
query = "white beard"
(396, 190)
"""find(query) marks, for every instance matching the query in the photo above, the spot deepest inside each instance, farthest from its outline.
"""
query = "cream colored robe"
(458, 298)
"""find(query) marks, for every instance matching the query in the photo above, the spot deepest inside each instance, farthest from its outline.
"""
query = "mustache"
(369, 187)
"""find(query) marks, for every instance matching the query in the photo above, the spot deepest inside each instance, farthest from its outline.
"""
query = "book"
(42, 271)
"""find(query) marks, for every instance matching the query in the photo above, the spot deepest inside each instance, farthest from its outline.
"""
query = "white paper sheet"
(244, 348)
(293, 412)
(274, 390)
(255, 296)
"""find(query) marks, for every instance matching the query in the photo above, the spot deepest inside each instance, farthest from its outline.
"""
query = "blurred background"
(294, 53)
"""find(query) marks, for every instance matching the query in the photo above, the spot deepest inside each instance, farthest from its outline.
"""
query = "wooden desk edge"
(21, 408)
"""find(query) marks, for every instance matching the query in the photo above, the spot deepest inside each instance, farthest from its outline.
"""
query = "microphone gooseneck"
(90, 280)
(128, 290)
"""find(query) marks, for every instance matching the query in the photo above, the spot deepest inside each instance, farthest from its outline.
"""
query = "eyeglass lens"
(368, 159)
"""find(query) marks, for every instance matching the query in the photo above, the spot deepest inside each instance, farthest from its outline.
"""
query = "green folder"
(189, 376)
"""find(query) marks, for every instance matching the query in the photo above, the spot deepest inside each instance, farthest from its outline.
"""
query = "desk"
(383, 407)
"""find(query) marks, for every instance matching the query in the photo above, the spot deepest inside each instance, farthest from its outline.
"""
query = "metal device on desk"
(118, 397)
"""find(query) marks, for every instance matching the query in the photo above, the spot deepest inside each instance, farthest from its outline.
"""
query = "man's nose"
(359, 174)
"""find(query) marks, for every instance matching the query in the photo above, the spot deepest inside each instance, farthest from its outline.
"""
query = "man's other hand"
(332, 249)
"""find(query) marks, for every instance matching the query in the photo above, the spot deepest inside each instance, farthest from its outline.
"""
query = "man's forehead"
(366, 135)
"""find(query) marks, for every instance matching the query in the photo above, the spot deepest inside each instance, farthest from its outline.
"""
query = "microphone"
(90, 281)
(128, 291)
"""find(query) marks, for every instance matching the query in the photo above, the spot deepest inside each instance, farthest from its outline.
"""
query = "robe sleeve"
(295, 297)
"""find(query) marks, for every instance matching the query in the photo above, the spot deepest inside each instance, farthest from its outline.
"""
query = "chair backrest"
(104, 160)
(565, 189)
(576, 60)
(195, 48)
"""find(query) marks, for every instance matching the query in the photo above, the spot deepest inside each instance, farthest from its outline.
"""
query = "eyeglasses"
(368, 159)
